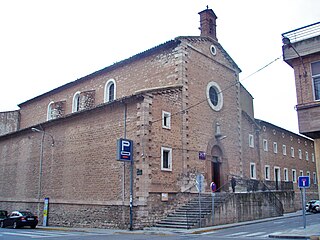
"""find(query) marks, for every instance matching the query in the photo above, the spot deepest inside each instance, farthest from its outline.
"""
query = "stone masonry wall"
(251, 206)
(9, 122)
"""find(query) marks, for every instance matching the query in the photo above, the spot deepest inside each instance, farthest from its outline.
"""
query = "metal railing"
(268, 186)
(249, 185)
(303, 33)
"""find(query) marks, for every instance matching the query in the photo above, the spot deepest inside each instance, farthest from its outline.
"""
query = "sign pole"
(199, 184)
(212, 208)
(125, 153)
(213, 187)
(303, 183)
(304, 208)
(131, 193)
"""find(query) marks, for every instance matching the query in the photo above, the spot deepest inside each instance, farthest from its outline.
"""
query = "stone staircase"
(188, 215)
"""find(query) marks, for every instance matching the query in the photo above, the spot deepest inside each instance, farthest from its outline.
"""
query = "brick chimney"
(208, 23)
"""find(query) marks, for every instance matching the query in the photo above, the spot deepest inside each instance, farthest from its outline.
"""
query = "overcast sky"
(45, 44)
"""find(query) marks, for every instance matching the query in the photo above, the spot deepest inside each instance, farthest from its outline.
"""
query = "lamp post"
(40, 162)
(286, 41)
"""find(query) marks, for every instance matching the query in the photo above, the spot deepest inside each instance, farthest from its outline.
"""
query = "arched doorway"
(216, 157)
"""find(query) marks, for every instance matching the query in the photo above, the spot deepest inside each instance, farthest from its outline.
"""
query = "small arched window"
(49, 111)
(110, 91)
(76, 102)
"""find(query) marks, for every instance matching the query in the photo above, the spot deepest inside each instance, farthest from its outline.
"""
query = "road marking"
(254, 234)
(18, 234)
(46, 234)
(70, 234)
(236, 234)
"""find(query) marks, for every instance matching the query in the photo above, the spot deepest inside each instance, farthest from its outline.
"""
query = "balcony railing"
(303, 33)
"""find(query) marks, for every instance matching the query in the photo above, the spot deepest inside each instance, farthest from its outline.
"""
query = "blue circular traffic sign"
(213, 186)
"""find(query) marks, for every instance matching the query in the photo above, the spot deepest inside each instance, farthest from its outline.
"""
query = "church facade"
(183, 107)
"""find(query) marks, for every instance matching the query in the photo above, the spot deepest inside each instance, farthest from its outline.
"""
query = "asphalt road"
(246, 232)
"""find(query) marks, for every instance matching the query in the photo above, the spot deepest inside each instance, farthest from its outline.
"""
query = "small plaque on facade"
(139, 172)
(202, 155)
(164, 197)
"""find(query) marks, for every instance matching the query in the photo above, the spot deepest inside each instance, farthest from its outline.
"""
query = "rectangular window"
(251, 141)
(292, 152)
(301, 173)
(284, 149)
(166, 159)
(294, 175)
(267, 172)
(166, 120)
(285, 174)
(275, 147)
(300, 154)
(315, 70)
(314, 178)
(307, 156)
(312, 156)
(265, 145)
(252, 170)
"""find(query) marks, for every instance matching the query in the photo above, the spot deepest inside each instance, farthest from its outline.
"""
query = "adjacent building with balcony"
(301, 50)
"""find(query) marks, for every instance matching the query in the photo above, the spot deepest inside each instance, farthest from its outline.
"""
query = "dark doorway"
(215, 172)
(277, 177)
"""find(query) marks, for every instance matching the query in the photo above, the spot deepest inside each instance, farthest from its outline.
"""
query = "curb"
(169, 231)
(231, 225)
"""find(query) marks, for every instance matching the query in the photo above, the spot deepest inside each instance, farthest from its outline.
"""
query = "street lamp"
(286, 42)
(41, 160)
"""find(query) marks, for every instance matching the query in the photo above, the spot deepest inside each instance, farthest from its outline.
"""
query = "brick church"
(182, 105)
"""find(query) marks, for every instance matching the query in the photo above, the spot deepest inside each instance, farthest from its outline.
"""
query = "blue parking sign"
(124, 150)
(304, 182)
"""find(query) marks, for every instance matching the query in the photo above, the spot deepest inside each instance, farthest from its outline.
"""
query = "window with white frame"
(251, 141)
(49, 111)
(214, 96)
(300, 154)
(285, 174)
(294, 175)
(275, 147)
(292, 152)
(314, 178)
(307, 156)
(315, 71)
(265, 145)
(253, 171)
(301, 173)
(312, 157)
(166, 159)
(76, 102)
(284, 149)
(110, 90)
(166, 120)
(267, 172)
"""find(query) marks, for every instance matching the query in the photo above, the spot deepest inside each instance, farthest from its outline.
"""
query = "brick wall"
(146, 72)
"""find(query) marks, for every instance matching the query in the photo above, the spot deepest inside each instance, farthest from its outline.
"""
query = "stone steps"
(188, 215)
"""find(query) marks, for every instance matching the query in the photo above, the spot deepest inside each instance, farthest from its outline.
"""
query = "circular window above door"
(214, 96)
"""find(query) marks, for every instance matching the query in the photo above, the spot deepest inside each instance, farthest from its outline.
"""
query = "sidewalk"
(311, 231)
